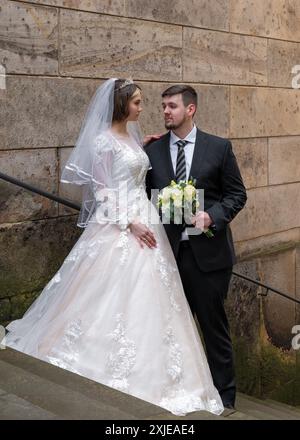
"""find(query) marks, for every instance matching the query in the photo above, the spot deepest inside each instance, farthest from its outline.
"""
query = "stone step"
(285, 410)
(259, 409)
(239, 415)
(88, 388)
(43, 391)
(197, 415)
(57, 399)
(13, 407)
(106, 397)
(203, 415)
(291, 410)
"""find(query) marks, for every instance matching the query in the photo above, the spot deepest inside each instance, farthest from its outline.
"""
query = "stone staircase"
(32, 389)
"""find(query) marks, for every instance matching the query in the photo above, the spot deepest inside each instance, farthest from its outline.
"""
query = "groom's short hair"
(189, 95)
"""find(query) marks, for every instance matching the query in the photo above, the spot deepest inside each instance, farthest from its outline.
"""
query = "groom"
(205, 264)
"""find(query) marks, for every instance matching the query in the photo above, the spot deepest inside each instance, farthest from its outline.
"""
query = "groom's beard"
(172, 126)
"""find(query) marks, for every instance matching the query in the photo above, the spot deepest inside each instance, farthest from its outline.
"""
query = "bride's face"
(135, 106)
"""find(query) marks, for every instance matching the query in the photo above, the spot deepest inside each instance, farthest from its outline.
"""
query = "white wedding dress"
(117, 313)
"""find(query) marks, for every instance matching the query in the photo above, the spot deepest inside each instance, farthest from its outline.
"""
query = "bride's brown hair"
(122, 95)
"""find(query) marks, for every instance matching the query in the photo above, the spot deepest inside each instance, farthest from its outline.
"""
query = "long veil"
(80, 167)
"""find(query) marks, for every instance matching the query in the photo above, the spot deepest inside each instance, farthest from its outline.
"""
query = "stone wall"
(239, 56)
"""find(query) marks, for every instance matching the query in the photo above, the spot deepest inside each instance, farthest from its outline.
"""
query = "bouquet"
(178, 202)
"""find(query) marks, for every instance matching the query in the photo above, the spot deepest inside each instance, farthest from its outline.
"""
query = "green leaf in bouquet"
(209, 233)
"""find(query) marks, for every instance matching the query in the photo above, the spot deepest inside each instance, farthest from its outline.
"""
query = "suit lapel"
(167, 156)
(198, 156)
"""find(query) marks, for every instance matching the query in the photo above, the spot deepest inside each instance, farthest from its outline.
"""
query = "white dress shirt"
(189, 152)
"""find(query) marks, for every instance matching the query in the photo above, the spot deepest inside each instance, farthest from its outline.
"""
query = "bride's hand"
(143, 235)
(151, 138)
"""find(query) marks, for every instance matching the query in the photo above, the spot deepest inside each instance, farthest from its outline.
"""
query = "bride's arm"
(112, 207)
(143, 234)
(151, 138)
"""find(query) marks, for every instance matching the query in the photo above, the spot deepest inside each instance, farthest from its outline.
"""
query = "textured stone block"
(36, 167)
(284, 160)
(297, 289)
(282, 56)
(257, 112)
(103, 46)
(152, 119)
(21, 303)
(31, 253)
(13, 407)
(298, 272)
(268, 210)
(218, 57)
(212, 114)
(5, 312)
(267, 244)
(43, 112)
(260, 329)
(243, 311)
(252, 157)
(51, 110)
(274, 19)
(199, 13)
(28, 38)
(114, 7)
(242, 303)
(278, 271)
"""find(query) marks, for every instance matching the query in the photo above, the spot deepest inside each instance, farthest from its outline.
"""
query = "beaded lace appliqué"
(166, 270)
(122, 358)
(77, 251)
(175, 398)
(123, 243)
(67, 356)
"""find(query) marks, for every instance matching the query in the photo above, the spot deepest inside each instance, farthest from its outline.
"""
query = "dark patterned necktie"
(181, 165)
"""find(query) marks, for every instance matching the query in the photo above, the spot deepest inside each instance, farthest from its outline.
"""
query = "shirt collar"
(191, 137)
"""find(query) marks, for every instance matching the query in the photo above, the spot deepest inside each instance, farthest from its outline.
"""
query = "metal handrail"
(265, 286)
(31, 188)
(73, 205)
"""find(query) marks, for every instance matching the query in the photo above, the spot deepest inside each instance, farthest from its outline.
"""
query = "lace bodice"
(127, 159)
(120, 168)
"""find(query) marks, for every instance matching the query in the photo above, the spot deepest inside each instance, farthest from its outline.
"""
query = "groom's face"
(175, 112)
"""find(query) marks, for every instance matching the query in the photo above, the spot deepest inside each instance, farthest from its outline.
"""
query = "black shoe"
(228, 405)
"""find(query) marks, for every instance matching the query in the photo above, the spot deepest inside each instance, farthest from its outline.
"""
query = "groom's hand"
(152, 137)
(201, 220)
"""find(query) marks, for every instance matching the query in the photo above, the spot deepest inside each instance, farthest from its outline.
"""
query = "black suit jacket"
(215, 169)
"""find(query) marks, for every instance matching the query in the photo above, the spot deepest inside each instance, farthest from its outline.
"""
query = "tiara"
(127, 82)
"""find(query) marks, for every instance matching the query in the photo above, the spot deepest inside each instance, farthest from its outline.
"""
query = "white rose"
(189, 192)
(176, 193)
(166, 195)
(178, 202)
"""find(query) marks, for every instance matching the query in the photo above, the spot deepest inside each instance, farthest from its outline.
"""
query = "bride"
(115, 311)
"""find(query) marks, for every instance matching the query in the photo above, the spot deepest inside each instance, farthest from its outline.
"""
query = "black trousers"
(206, 292)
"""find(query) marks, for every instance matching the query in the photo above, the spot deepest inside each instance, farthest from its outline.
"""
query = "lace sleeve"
(108, 191)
